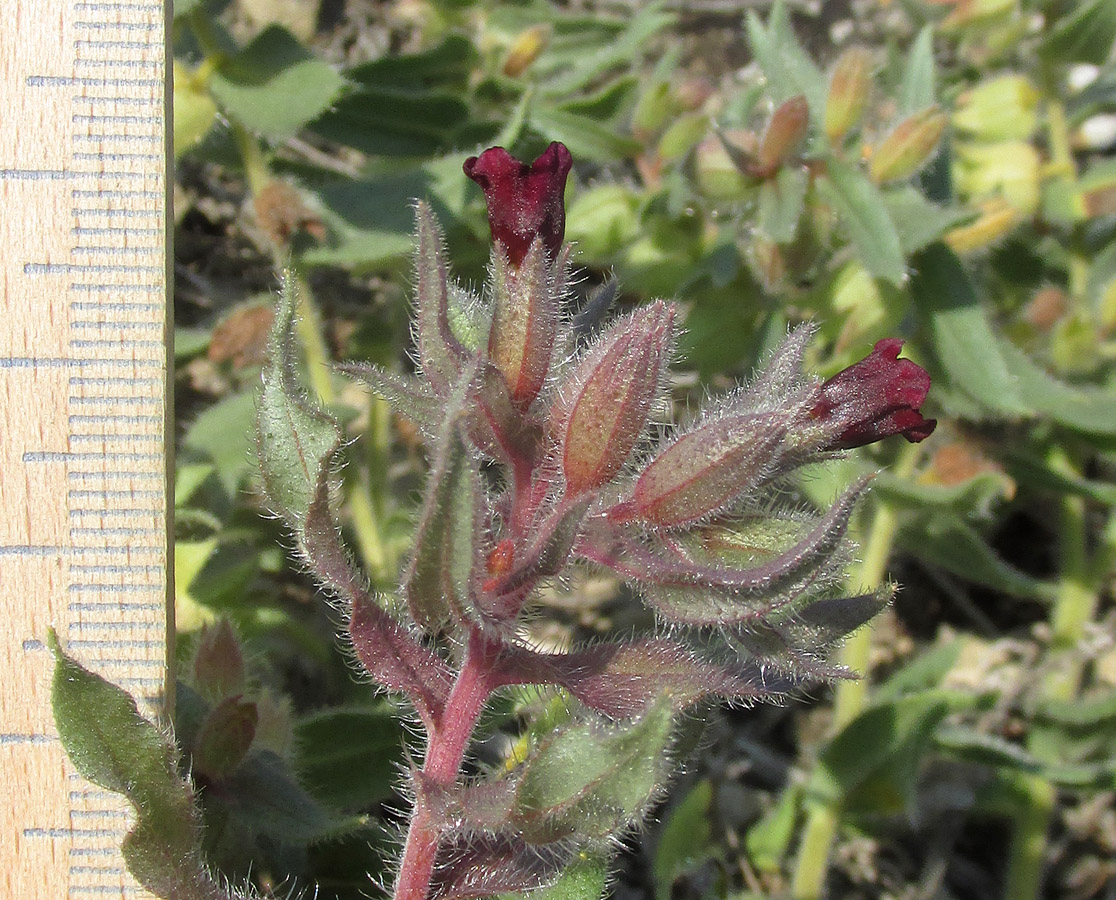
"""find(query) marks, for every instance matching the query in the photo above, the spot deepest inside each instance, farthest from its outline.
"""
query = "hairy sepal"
(524, 321)
(608, 397)
(592, 780)
(439, 583)
(441, 354)
(406, 394)
(622, 680)
(497, 427)
(473, 865)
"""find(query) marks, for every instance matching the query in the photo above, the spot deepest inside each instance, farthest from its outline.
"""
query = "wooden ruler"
(83, 411)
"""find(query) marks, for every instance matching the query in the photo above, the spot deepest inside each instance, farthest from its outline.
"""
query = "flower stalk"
(747, 592)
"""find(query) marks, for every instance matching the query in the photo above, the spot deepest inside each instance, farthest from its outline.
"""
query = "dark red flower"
(524, 201)
(876, 398)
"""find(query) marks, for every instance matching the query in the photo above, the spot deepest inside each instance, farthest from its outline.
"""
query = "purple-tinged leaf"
(788, 570)
(608, 397)
(225, 737)
(407, 395)
(524, 321)
(480, 865)
(546, 555)
(440, 353)
(218, 661)
(396, 659)
(622, 680)
(392, 655)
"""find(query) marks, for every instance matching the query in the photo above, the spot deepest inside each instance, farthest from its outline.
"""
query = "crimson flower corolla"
(878, 397)
(524, 201)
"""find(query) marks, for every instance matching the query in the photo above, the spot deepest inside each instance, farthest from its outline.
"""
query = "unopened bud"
(999, 109)
(784, 133)
(609, 398)
(706, 469)
(526, 49)
(717, 171)
(908, 147)
(524, 322)
(225, 737)
(219, 662)
(1008, 169)
(848, 92)
(692, 93)
(996, 219)
(653, 109)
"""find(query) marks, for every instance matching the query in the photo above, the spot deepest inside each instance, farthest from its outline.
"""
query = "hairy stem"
(851, 696)
(445, 752)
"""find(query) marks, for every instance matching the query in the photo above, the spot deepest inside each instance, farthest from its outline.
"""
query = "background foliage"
(938, 170)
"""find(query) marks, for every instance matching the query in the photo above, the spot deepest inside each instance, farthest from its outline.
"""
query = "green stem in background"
(366, 515)
(1074, 607)
(823, 819)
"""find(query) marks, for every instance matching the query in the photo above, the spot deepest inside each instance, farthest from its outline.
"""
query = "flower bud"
(524, 323)
(908, 147)
(784, 133)
(219, 662)
(997, 218)
(848, 92)
(608, 399)
(225, 737)
(875, 398)
(1010, 169)
(525, 49)
(524, 201)
(1002, 108)
(706, 469)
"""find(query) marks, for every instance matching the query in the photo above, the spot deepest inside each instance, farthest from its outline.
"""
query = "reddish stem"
(445, 752)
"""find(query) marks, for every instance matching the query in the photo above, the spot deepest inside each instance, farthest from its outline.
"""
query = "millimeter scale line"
(84, 496)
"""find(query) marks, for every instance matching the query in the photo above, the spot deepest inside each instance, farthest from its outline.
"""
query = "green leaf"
(947, 540)
(878, 754)
(113, 746)
(918, 221)
(275, 86)
(587, 65)
(1089, 410)
(586, 138)
(961, 336)
(918, 90)
(780, 204)
(107, 739)
(584, 879)
(769, 839)
(1032, 469)
(1085, 35)
(685, 838)
(865, 217)
(295, 438)
(194, 111)
(349, 757)
(789, 69)
(266, 799)
(590, 780)
(218, 435)
(386, 122)
(925, 671)
(448, 63)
